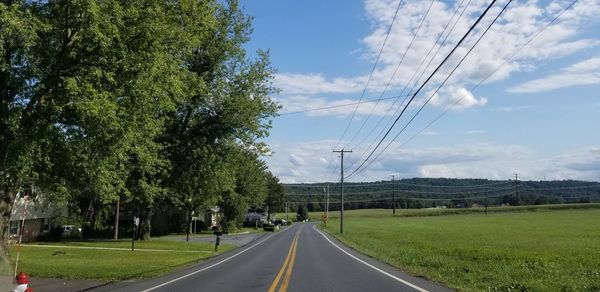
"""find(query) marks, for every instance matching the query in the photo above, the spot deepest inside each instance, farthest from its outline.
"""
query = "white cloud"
(456, 97)
(340, 107)
(510, 109)
(430, 133)
(297, 160)
(478, 160)
(475, 132)
(520, 22)
(305, 84)
(583, 73)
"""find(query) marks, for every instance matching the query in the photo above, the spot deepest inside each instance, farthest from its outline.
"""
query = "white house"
(33, 215)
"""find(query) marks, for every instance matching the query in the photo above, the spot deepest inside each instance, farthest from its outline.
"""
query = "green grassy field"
(76, 263)
(546, 250)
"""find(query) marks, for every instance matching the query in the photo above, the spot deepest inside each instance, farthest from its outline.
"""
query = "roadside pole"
(342, 186)
(393, 195)
(327, 204)
(136, 223)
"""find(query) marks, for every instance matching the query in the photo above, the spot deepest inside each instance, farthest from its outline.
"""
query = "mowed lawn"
(152, 258)
(523, 251)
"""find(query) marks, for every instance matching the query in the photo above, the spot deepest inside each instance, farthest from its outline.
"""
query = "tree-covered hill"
(442, 192)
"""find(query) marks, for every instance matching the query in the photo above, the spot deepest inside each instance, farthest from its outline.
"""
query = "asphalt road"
(299, 258)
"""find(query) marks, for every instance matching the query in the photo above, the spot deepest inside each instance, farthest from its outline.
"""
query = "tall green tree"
(275, 194)
(226, 112)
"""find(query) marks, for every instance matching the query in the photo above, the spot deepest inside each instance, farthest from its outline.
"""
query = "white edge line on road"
(371, 266)
(208, 267)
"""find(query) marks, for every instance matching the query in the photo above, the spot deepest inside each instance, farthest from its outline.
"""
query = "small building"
(253, 219)
(31, 216)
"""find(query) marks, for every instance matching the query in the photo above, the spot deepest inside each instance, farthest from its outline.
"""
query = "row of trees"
(143, 103)
(452, 193)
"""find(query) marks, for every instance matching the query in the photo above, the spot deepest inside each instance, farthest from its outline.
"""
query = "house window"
(46, 225)
(14, 227)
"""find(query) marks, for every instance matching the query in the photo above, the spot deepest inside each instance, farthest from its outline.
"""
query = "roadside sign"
(136, 221)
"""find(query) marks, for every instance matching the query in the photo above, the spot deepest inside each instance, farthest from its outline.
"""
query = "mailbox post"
(218, 241)
(136, 223)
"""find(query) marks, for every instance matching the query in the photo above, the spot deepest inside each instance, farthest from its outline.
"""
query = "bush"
(55, 234)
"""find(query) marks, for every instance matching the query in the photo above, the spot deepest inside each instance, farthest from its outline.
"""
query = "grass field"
(73, 262)
(546, 250)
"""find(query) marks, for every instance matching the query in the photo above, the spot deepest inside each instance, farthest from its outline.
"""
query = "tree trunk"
(6, 204)
(145, 224)
(188, 215)
(117, 209)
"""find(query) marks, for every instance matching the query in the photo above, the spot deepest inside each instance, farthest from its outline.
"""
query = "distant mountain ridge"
(446, 192)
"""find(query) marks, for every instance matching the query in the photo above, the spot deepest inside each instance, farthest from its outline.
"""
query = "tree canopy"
(146, 102)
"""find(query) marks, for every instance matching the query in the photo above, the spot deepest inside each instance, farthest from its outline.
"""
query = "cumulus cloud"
(291, 83)
(455, 97)
(582, 73)
(297, 160)
(317, 106)
(510, 109)
(519, 23)
(478, 160)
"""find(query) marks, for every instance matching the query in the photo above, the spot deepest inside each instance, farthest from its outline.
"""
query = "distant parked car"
(71, 231)
(268, 227)
(280, 222)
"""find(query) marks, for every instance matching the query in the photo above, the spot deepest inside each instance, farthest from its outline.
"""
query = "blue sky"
(537, 116)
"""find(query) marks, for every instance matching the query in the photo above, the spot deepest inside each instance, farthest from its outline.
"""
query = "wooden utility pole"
(342, 186)
(517, 188)
(393, 195)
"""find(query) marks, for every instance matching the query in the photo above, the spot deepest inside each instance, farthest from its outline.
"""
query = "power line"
(512, 55)
(419, 198)
(351, 185)
(395, 71)
(339, 105)
(445, 80)
(424, 83)
(385, 191)
(372, 70)
(413, 76)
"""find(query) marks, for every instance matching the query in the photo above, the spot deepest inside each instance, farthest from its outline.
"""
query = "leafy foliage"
(147, 103)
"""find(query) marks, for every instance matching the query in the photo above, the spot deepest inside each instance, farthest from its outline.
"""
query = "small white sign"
(136, 221)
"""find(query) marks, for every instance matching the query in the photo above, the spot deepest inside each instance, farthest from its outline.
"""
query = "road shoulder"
(418, 281)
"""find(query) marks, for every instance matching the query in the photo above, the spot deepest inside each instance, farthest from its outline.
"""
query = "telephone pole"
(342, 186)
(517, 188)
(287, 218)
(393, 195)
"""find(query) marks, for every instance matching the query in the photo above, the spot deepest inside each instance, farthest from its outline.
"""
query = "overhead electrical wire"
(351, 185)
(441, 45)
(401, 191)
(414, 199)
(512, 55)
(372, 71)
(338, 105)
(445, 80)
(431, 76)
(413, 76)
(395, 71)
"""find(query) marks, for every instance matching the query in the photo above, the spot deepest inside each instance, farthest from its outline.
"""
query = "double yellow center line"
(288, 265)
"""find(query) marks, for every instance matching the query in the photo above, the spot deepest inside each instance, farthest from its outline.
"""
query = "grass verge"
(548, 250)
(52, 260)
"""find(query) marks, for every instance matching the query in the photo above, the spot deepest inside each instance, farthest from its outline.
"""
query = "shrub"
(55, 234)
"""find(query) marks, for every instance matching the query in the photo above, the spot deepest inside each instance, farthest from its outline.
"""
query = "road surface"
(299, 258)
